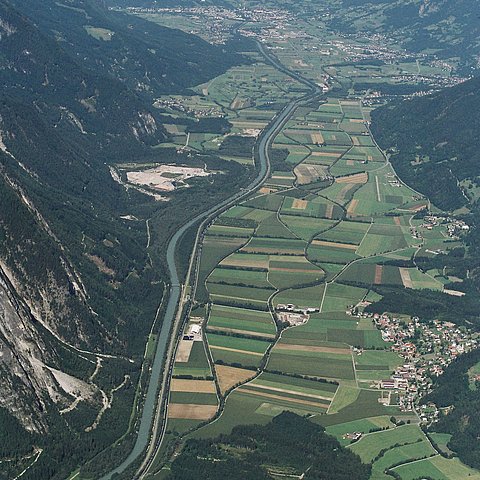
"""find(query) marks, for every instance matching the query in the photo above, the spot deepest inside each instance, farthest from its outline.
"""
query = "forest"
(455, 389)
(430, 141)
(289, 445)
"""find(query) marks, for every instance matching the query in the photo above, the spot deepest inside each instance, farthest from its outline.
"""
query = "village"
(178, 105)
(454, 226)
(427, 348)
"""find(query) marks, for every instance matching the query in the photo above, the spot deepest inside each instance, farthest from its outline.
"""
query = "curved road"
(152, 409)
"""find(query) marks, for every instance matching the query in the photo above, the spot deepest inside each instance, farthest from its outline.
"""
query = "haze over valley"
(239, 239)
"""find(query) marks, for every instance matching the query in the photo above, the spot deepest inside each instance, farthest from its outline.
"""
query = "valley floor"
(285, 278)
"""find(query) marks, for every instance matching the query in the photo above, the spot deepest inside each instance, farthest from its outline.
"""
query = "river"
(266, 137)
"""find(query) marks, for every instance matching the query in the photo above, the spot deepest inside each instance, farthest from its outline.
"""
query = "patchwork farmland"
(278, 322)
(284, 278)
(280, 277)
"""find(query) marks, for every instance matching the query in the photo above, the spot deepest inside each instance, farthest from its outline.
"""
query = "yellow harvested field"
(228, 377)
(356, 120)
(406, 280)
(273, 250)
(350, 162)
(183, 352)
(294, 392)
(248, 124)
(324, 243)
(352, 206)
(285, 399)
(329, 210)
(378, 274)
(356, 141)
(191, 411)
(326, 154)
(246, 352)
(397, 220)
(279, 258)
(201, 386)
(312, 348)
(235, 104)
(240, 262)
(307, 173)
(293, 270)
(343, 192)
(317, 138)
(280, 177)
(267, 190)
(358, 178)
(299, 204)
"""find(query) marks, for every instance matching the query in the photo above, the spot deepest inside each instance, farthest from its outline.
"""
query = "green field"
(437, 468)
(370, 445)
(310, 364)
(306, 229)
(238, 295)
(345, 396)
(331, 253)
(346, 232)
(338, 297)
(235, 276)
(364, 425)
(227, 231)
(193, 397)
(213, 251)
(307, 297)
(197, 365)
(241, 320)
(275, 246)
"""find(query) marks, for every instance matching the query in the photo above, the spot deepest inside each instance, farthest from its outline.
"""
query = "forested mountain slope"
(449, 30)
(434, 146)
(147, 57)
(289, 446)
(433, 138)
(78, 291)
(432, 143)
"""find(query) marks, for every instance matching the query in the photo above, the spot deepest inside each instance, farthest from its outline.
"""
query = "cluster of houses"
(356, 310)
(176, 105)
(427, 349)
(393, 180)
(294, 315)
(455, 227)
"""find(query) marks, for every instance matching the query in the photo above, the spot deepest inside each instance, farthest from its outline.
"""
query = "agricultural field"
(318, 207)
(237, 351)
(321, 244)
(330, 224)
(241, 321)
(191, 361)
(437, 467)
(312, 361)
(370, 445)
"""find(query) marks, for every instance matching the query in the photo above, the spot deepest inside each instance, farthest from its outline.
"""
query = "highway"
(153, 419)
